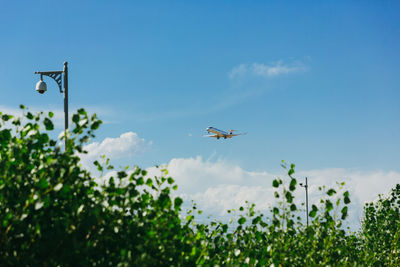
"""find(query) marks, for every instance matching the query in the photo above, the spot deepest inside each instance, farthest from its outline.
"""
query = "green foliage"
(52, 213)
(381, 230)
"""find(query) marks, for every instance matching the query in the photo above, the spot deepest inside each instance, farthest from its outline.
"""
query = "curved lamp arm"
(56, 75)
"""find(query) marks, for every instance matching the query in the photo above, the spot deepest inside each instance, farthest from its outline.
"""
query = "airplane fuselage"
(219, 133)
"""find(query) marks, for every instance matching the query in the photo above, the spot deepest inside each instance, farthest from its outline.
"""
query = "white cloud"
(225, 197)
(365, 186)
(196, 175)
(126, 145)
(267, 70)
(217, 186)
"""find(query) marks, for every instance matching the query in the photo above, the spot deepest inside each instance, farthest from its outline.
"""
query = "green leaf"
(170, 180)
(291, 170)
(242, 220)
(121, 174)
(82, 111)
(275, 183)
(48, 124)
(178, 202)
(6, 117)
(292, 185)
(149, 182)
(313, 213)
(75, 118)
(95, 125)
(5, 135)
(43, 184)
(331, 192)
(98, 165)
(256, 220)
(51, 114)
(346, 197)
(140, 181)
(344, 212)
(289, 197)
(275, 210)
(328, 205)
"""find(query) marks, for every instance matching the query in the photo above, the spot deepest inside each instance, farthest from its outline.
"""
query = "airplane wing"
(212, 135)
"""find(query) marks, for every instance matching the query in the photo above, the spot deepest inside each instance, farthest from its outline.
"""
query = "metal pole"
(306, 200)
(57, 76)
(66, 101)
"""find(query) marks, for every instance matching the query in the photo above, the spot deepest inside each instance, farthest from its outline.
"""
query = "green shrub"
(52, 213)
(380, 230)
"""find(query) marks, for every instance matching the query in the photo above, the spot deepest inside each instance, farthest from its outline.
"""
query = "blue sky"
(316, 83)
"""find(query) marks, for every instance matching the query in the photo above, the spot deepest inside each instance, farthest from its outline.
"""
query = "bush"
(380, 230)
(52, 213)
(283, 240)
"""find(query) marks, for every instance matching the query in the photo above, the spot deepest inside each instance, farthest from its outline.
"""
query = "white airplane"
(220, 134)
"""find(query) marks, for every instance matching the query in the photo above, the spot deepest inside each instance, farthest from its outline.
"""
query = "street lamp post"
(57, 76)
(306, 187)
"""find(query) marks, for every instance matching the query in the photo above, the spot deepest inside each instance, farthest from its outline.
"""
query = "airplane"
(220, 134)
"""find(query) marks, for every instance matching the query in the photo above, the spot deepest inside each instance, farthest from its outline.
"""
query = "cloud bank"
(126, 145)
(217, 186)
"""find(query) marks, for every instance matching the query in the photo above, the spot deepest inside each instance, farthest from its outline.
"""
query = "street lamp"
(57, 76)
(306, 187)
